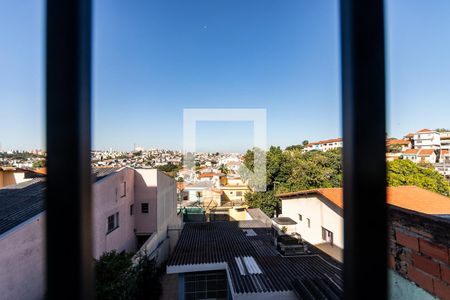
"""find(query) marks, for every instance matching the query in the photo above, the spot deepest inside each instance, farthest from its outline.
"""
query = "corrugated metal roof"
(204, 243)
(22, 201)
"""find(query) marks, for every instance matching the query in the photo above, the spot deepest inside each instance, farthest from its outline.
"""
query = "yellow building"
(234, 193)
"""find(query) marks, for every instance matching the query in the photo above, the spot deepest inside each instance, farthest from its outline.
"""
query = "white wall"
(310, 206)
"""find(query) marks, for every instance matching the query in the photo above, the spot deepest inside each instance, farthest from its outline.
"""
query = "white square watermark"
(256, 115)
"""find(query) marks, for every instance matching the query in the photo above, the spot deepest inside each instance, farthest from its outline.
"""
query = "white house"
(324, 145)
(319, 212)
(420, 155)
(427, 139)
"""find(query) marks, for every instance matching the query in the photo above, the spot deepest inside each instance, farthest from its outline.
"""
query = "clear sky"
(152, 59)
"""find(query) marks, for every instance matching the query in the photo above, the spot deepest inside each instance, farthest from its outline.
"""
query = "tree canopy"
(405, 172)
(293, 170)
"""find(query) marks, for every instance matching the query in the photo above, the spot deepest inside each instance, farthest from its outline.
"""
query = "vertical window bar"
(68, 91)
(363, 91)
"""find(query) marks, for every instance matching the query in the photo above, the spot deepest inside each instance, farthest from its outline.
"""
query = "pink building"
(130, 207)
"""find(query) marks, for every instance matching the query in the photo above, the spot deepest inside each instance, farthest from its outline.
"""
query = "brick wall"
(419, 250)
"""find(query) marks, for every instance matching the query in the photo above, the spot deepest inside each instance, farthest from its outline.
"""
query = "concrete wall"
(22, 258)
(10, 178)
(22, 261)
(320, 215)
(145, 186)
(107, 200)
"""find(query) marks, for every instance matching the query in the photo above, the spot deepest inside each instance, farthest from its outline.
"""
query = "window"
(124, 189)
(238, 194)
(327, 235)
(113, 222)
(309, 222)
(144, 208)
(300, 217)
(206, 285)
(131, 209)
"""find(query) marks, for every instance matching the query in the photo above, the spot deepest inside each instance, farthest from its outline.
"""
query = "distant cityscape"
(212, 237)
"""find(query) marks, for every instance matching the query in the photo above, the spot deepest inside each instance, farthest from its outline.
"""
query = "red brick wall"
(419, 250)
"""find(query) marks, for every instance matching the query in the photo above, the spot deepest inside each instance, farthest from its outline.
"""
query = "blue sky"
(152, 59)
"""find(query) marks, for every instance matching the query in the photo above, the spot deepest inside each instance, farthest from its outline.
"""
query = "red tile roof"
(426, 152)
(411, 151)
(325, 142)
(398, 142)
(408, 197)
(209, 174)
(424, 130)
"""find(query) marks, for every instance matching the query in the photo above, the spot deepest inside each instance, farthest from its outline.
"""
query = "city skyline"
(152, 60)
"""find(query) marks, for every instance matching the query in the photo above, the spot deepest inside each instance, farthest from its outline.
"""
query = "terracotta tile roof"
(424, 130)
(398, 142)
(411, 151)
(325, 142)
(444, 152)
(409, 135)
(408, 197)
(426, 152)
(210, 174)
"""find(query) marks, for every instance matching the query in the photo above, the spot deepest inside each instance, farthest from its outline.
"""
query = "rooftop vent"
(247, 265)
(249, 232)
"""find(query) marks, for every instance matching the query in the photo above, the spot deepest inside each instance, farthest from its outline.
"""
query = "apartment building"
(427, 139)
(324, 145)
(130, 207)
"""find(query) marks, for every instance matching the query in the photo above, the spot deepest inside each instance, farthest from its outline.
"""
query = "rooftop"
(284, 221)
(225, 243)
(22, 201)
(408, 197)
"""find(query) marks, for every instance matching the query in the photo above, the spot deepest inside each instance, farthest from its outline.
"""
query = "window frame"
(68, 77)
(145, 208)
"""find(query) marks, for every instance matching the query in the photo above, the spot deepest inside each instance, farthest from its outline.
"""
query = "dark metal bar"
(68, 72)
(363, 91)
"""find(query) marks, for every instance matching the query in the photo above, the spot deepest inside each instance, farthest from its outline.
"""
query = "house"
(13, 175)
(131, 208)
(423, 155)
(427, 156)
(238, 260)
(234, 193)
(411, 154)
(393, 156)
(318, 213)
(401, 144)
(324, 145)
(427, 139)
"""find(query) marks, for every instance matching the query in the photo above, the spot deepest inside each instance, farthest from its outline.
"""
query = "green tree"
(395, 148)
(223, 168)
(117, 277)
(111, 277)
(405, 172)
(38, 164)
(266, 201)
(294, 147)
